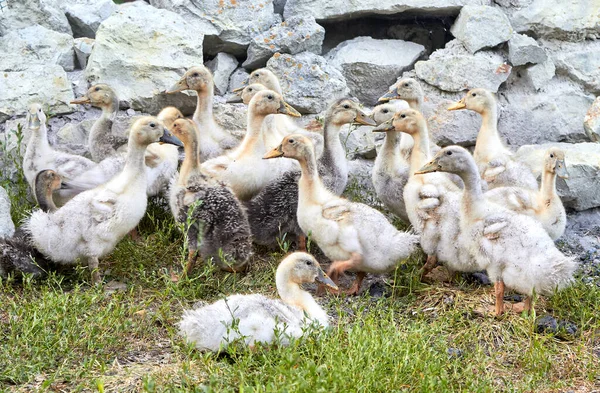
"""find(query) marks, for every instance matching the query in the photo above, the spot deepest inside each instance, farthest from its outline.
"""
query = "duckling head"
(348, 111)
(35, 117)
(169, 115)
(555, 162)
(250, 91)
(300, 268)
(263, 77)
(409, 121)
(148, 129)
(478, 100)
(100, 96)
(197, 78)
(268, 102)
(294, 146)
(451, 159)
(185, 131)
(384, 112)
(407, 89)
(46, 182)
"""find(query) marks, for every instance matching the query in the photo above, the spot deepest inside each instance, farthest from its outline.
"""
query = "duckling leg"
(192, 256)
(429, 265)
(499, 290)
(93, 266)
(353, 290)
(301, 243)
(339, 267)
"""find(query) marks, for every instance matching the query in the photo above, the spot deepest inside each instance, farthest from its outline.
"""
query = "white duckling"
(262, 76)
(39, 155)
(494, 160)
(256, 318)
(513, 248)
(91, 224)
(213, 139)
(432, 200)
(544, 204)
(355, 236)
(243, 168)
(169, 115)
(390, 172)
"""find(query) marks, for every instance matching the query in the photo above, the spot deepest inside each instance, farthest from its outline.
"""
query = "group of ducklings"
(470, 212)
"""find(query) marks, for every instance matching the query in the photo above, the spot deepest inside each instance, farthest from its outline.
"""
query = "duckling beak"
(561, 169)
(387, 125)
(287, 109)
(364, 119)
(458, 105)
(171, 139)
(390, 95)
(81, 100)
(179, 86)
(431, 166)
(242, 87)
(274, 153)
(324, 279)
(34, 122)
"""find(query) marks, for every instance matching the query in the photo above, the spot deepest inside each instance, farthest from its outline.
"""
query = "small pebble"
(546, 324)
(377, 289)
(130, 112)
(514, 297)
(455, 353)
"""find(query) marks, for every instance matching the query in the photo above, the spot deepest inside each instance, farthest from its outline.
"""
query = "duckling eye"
(250, 89)
(195, 74)
(551, 155)
(448, 153)
(152, 125)
(474, 94)
(406, 84)
(97, 89)
(291, 141)
(308, 263)
(346, 106)
(385, 111)
(257, 74)
(403, 116)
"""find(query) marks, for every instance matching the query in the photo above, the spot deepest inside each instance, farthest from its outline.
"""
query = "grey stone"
(580, 61)
(581, 190)
(141, 51)
(344, 10)
(540, 74)
(25, 13)
(7, 227)
(367, 71)
(359, 142)
(48, 85)
(308, 81)
(297, 34)
(36, 45)
(481, 26)
(523, 49)
(278, 6)
(85, 16)
(78, 82)
(591, 122)
(237, 78)
(429, 34)
(360, 187)
(231, 117)
(83, 49)
(75, 133)
(455, 69)
(229, 25)
(566, 20)
(222, 66)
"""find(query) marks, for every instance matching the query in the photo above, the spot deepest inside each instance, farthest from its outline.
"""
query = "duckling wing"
(513, 198)
(336, 211)
(70, 166)
(102, 205)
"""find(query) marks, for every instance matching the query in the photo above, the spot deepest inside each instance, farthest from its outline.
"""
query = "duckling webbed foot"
(339, 267)
(353, 290)
(429, 265)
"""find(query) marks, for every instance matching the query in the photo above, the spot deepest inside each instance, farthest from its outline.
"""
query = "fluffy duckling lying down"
(355, 236)
(211, 328)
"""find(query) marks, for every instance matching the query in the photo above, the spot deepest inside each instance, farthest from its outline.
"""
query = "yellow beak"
(431, 166)
(387, 125)
(81, 100)
(287, 109)
(457, 105)
(362, 118)
(179, 86)
(274, 153)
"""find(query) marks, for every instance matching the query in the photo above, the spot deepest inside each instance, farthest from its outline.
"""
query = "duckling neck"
(203, 116)
(292, 294)
(472, 195)
(420, 153)
(191, 163)
(333, 151)
(389, 156)
(134, 163)
(488, 139)
(253, 133)
(310, 184)
(548, 186)
(45, 200)
(415, 103)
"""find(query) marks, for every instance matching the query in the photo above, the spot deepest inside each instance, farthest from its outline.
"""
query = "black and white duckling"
(272, 213)
(353, 235)
(544, 204)
(90, 225)
(39, 155)
(432, 200)
(256, 318)
(494, 161)
(213, 139)
(513, 248)
(218, 225)
(103, 141)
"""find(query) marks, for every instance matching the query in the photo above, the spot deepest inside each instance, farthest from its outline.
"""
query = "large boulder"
(359, 142)
(222, 66)
(297, 34)
(581, 190)
(344, 10)
(229, 26)
(85, 16)
(566, 20)
(36, 45)
(141, 51)
(481, 26)
(25, 13)
(453, 68)
(308, 81)
(367, 72)
(47, 84)
(540, 74)
(83, 49)
(7, 227)
(591, 122)
(580, 61)
(523, 49)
